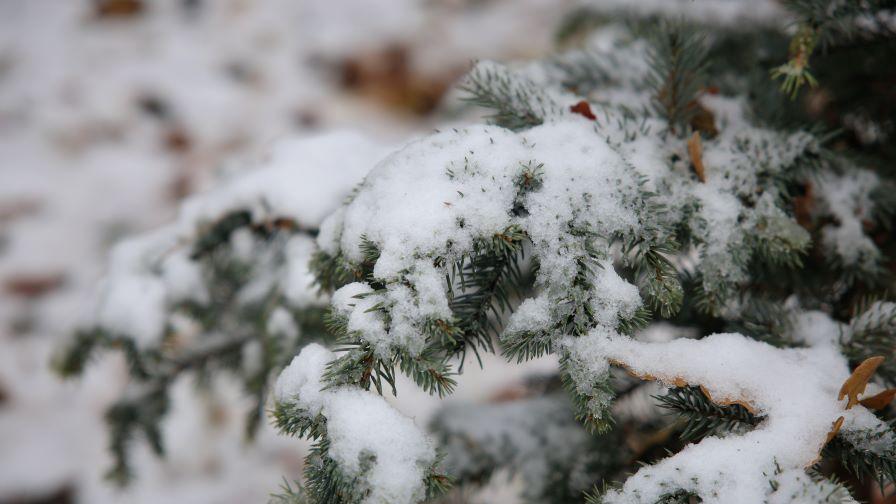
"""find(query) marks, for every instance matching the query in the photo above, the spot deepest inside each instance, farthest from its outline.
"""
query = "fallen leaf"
(695, 151)
(177, 140)
(704, 121)
(118, 8)
(879, 401)
(584, 109)
(33, 286)
(855, 385)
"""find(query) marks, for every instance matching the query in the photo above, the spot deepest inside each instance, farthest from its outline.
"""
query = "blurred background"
(112, 112)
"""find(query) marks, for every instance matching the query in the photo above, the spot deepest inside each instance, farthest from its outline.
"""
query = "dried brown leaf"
(835, 428)
(854, 386)
(695, 151)
(584, 109)
(879, 401)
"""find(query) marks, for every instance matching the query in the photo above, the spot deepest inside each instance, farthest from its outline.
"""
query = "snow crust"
(368, 437)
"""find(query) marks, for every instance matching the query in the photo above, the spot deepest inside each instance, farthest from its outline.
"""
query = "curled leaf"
(695, 151)
(880, 400)
(835, 428)
(854, 386)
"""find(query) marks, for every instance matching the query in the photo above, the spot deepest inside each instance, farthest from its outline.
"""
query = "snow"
(713, 12)
(533, 314)
(133, 300)
(134, 305)
(795, 389)
(298, 282)
(303, 180)
(816, 328)
(535, 438)
(461, 187)
(77, 146)
(362, 430)
(847, 199)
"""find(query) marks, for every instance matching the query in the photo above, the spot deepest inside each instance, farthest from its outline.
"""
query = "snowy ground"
(110, 113)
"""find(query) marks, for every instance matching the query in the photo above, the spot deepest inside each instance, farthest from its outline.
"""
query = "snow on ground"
(109, 115)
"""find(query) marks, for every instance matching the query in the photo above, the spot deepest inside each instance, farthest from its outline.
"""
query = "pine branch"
(864, 464)
(677, 59)
(289, 495)
(517, 102)
(871, 333)
(591, 405)
(704, 417)
(484, 282)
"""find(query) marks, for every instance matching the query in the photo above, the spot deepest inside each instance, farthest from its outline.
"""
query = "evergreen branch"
(865, 465)
(658, 276)
(765, 320)
(219, 233)
(72, 360)
(525, 345)
(480, 286)
(537, 438)
(704, 417)
(326, 481)
(871, 333)
(129, 416)
(333, 272)
(289, 495)
(677, 59)
(517, 102)
(591, 405)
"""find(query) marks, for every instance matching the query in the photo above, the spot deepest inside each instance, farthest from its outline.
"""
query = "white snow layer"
(795, 389)
(303, 180)
(361, 425)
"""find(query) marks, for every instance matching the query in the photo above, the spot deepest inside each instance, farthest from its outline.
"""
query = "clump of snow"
(298, 280)
(816, 328)
(533, 314)
(618, 300)
(795, 389)
(367, 436)
(355, 302)
(134, 305)
(462, 188)
(133, 300)
(847, 199)
(303, 179)
(183, 278)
